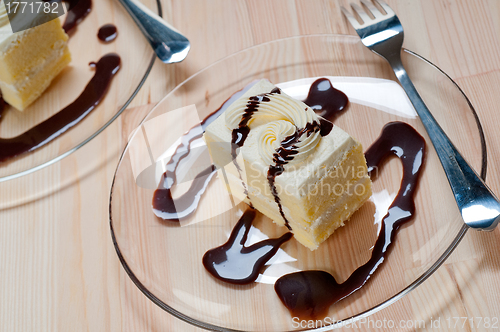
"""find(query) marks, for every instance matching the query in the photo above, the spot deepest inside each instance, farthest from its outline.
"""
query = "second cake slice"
(30, 60)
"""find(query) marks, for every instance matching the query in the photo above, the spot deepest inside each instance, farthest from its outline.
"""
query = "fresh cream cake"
(30, 59)
(290, 164)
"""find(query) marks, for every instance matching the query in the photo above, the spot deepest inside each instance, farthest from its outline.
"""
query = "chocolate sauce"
(286, 152)
(311, 293)
(41, 134)
(164, 205)
(287, 149)
(325, 127)
(77, 11)
(107, 33)
(325, 100)
(240, 134)
(233, 262)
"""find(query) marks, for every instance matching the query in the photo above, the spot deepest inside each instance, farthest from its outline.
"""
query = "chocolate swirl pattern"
(281, 117)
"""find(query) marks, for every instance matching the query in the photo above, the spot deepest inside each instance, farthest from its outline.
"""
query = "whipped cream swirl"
(284, 119)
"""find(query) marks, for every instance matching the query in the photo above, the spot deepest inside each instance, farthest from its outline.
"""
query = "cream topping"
(281, 116)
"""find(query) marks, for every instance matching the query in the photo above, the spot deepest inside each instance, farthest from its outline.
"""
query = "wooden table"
(59, 270)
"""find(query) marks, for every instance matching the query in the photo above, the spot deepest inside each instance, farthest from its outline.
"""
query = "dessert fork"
(169, 44)
(383, 35)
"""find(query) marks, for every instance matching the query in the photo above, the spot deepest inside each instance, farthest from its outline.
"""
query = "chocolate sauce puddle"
(41, 134)
(77, 11)
(325, 100)
(309, 294)
(107, 33)
(233, 262)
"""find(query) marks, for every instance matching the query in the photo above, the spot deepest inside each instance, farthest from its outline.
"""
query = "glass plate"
(164, 259)
(85, 47)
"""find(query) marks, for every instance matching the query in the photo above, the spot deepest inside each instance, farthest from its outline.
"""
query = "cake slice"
(30, 60)
(290, 164)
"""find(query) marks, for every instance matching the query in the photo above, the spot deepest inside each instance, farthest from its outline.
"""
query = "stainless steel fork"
(169, 44)
(383, 35)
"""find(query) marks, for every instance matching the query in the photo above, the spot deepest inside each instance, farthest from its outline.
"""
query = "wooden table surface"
(59, 270)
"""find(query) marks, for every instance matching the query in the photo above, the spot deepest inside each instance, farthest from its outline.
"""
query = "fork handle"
(162, 37)
(479, 207)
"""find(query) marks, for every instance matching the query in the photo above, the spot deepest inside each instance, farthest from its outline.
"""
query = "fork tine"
(374, 10)
(364, 16)
(354, 22)
(385, 7)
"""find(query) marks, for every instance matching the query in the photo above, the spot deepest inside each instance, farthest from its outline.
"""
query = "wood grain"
(59, 268)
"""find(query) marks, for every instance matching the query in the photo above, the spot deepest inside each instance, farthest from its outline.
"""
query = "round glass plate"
(164, 258)
(85, 47)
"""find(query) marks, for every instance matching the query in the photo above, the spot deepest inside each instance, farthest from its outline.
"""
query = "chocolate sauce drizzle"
(287, 151)
(240, 134)
(107, 33)
(284, 154)
(310, 293)
(164, 205)
(77, 11)
(233, 262)
(41, 134)
(325, 100)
